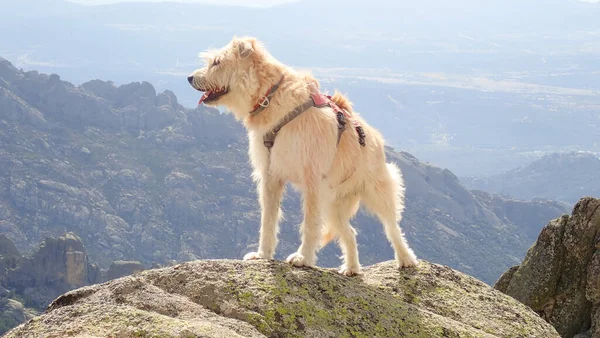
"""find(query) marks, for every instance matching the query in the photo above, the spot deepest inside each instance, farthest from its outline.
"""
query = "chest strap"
(315, 100)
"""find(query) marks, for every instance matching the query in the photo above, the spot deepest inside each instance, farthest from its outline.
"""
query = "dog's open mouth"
(211, 95)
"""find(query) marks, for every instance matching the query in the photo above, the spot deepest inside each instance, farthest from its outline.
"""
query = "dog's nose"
(191, 79)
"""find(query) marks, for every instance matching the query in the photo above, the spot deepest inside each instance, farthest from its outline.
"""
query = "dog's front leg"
(270, 191)
(310, 230)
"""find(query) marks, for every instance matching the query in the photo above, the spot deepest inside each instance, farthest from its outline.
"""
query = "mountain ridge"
(571, 174)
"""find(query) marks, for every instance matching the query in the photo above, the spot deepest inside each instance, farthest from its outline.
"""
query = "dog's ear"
(245, 48)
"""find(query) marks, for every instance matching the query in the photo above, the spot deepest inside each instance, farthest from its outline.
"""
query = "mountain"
(448, 81)
(559, 176)
(139, 177)
(221, 298)
(560, 276)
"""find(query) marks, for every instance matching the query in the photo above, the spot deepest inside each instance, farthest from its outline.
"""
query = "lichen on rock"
(560, 275)
(228, 298)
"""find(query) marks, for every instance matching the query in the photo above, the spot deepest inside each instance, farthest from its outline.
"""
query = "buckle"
(265, 102)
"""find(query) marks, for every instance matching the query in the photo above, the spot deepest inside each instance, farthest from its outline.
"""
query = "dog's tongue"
(204, 96)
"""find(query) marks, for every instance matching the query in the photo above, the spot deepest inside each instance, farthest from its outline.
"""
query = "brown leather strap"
(269, 138)
(266, 100)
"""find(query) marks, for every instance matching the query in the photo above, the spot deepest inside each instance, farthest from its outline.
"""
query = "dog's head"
(230, 76)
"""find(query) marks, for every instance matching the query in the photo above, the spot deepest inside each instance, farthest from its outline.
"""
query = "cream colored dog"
(332, 177)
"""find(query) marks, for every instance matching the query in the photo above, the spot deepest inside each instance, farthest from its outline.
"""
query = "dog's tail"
(341, 101)
(398, 188)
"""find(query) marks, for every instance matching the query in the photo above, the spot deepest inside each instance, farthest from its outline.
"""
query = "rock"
(58, 266)
(224, 298)
(178, 180)
(7, 247)
(136, 94)
(9, 259)
(504, 280)
(12, 312)
(8, 72)
(587, 334)
(105, 90)
(42, 144)
(157, 118)
(15, 109)
(4, 292)
(59, 187)
(167, 98)
(123, 268)
(178, 141)
(15, 309)
(560, 276)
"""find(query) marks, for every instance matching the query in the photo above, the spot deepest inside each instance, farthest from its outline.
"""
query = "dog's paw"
(297, 259)
(408, 261)
(253, 256)
(349, 271)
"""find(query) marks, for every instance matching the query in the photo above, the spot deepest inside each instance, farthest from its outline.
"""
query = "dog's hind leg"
(311, 227)
(385, 198)
(338, 222)
(270, 192)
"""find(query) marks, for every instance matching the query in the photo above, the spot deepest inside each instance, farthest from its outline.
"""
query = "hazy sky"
(221, 2)
(248, 3)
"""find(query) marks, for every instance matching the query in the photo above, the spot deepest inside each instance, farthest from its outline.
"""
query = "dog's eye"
(216, 62)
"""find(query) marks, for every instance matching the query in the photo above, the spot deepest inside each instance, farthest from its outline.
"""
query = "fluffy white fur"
(333, 179)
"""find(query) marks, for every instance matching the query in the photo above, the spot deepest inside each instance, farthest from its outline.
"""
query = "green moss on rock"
(221, 298)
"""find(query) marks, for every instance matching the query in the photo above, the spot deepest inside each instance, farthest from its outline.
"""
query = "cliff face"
(58, 266)
(29, 283)
(223, 298)
(560, 276)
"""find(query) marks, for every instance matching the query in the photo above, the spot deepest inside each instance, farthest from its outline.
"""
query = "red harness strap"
(322, 100)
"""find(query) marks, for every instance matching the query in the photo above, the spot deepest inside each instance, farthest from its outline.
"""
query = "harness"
(317, 100)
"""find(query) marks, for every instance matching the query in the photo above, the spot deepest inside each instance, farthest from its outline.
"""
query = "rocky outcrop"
(9, 258)
(123, 268)
(560, 276)
(223, 298)
(7, 247)
(58, 266)
(12, 313)
(33, 98)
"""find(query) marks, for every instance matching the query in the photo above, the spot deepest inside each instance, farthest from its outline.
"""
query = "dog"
(334, 168)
